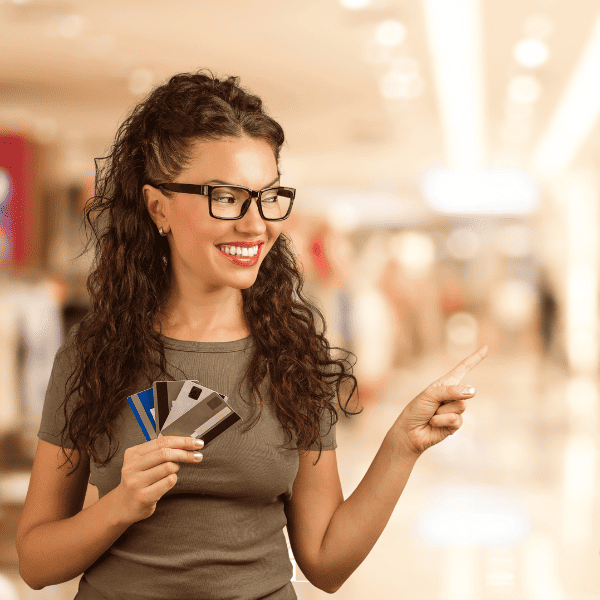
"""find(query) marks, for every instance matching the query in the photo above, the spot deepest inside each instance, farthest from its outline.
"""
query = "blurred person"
(393, 286)
(414, 297)
(373, 319)
(330, 255)
(325, 258)
(191, 272)
(548, 312)
(30, 337)
(452, 294)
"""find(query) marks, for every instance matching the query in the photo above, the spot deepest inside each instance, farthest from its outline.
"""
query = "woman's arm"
(73, 544)
(330, 536)
(359, 521)
(56, 540)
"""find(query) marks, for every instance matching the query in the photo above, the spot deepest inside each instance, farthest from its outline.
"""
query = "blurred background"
(445, 155)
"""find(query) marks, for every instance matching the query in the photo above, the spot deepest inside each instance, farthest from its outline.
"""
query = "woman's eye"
(224, 199)
(270, 199)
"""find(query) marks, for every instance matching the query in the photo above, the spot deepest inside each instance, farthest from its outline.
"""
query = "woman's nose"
(251, 222)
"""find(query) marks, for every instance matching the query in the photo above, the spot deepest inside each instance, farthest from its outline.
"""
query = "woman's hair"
(129, 279)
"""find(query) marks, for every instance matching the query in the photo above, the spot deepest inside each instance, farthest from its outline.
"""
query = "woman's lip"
(241, 244)
(246, 261)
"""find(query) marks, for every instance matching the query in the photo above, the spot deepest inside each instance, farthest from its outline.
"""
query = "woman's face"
(196, 239)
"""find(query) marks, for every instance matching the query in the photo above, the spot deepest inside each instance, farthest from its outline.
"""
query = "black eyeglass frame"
(206, 190)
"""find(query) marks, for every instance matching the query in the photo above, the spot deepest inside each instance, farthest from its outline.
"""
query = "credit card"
(206, 419)
(142, 405)
(165, 393)
(182, 408)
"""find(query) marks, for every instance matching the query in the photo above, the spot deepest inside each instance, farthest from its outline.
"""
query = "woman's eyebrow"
(227, 183)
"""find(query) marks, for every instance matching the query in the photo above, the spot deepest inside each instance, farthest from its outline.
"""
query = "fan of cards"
(184, 408)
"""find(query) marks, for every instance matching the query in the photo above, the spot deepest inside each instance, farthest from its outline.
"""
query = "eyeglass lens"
(227, 202)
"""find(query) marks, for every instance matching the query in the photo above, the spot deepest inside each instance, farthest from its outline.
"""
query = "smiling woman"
(193, 279)
(201, 272)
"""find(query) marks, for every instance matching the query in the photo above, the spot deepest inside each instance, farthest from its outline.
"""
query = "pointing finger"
(443, 394)
(457, 374)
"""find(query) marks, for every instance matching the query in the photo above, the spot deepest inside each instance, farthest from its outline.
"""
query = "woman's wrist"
(117, 509)
(402, 447)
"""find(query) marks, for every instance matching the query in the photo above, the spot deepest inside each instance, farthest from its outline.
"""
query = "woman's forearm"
(59, 551)
(359, 521)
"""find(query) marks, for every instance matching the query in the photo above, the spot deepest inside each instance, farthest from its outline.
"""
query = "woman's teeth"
(236, 251)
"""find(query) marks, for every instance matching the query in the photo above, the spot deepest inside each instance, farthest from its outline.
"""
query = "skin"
(205, 300)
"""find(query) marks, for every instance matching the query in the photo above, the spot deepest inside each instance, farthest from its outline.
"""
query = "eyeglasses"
(232, 202)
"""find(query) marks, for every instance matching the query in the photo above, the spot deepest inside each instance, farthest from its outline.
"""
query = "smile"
(242, 255)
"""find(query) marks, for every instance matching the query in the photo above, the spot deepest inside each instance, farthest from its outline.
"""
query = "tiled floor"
(507, 508)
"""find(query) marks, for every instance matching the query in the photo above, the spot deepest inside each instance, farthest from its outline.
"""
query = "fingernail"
(199, 443)
(197, 455)
(468, 390)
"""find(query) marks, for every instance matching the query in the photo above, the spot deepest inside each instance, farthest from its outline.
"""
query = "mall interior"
(446, 157)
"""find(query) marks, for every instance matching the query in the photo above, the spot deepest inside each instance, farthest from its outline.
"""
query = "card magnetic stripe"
(162, 401)
(141, 409)
(223, 425)
(222, 414)
(218, 429)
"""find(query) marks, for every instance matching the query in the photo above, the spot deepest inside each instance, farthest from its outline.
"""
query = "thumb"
(449, 393)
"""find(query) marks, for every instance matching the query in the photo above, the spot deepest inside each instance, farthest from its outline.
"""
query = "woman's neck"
(203, 320)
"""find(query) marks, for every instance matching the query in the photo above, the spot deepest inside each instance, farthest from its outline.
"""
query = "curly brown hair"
(128, 282)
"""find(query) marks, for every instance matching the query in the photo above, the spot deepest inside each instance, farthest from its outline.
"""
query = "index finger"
(456, 375)
(170, 441)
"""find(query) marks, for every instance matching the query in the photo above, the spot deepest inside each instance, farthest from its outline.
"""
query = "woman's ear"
(155, 204)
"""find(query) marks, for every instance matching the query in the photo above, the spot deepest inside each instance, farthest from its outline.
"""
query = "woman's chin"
(243, 283)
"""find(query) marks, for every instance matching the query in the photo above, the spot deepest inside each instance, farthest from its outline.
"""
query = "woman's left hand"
(436, 412)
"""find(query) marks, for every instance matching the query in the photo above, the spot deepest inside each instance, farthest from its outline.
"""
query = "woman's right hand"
(150, 471)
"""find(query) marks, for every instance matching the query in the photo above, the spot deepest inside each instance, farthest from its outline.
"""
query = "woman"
(201, 279)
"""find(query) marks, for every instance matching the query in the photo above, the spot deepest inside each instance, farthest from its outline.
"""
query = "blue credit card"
(142, 405)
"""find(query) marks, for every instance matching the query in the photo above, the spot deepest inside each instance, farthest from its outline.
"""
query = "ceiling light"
(415, 251)
(355, 4)
(343, 216)
(524, 89)
(513, 303)
(480, 192)
(531, 53)
(390, 33)
(577, 111)
(455, 40)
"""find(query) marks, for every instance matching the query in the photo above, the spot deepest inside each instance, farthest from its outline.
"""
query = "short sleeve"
(53, 418)
(328, 438)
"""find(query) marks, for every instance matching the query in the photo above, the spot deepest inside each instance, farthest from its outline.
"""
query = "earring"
(160, 230)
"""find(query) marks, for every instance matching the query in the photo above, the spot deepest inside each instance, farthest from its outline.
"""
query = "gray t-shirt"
(218, 533)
